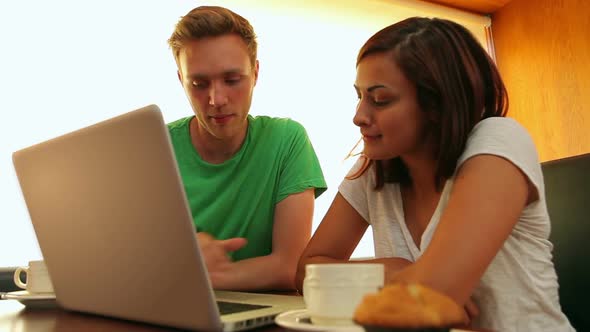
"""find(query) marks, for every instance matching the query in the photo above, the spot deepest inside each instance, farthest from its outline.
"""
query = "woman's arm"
(336, 238)
(487, 199)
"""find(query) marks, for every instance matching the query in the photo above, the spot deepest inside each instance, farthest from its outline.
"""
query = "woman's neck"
(422, 171)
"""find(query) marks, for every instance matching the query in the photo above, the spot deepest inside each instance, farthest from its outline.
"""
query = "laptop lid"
(109, 211)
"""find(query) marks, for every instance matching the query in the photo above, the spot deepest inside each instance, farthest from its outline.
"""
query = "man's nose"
(217, 95)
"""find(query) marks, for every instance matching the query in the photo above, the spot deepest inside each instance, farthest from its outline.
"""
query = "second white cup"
(37, 278)
(332, 291)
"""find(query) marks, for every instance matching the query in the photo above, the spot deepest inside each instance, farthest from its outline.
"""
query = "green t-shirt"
(237, 198)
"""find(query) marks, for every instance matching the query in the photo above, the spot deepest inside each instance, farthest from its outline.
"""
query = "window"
(67, 64)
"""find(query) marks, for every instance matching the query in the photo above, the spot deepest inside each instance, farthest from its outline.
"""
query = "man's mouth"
(222, 118)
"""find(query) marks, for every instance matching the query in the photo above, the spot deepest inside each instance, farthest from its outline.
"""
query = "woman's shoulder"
(508, 139)
(499, 126)
(501, 136)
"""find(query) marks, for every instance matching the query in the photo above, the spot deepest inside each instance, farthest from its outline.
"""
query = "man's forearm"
(270, 272)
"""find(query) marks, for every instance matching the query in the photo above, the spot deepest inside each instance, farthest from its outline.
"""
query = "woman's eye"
(380, 103)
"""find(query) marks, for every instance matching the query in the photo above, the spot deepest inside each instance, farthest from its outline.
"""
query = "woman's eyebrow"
(371, 88)
(374, 87)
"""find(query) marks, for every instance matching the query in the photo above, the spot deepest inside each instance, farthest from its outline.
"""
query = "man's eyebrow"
(199, 76)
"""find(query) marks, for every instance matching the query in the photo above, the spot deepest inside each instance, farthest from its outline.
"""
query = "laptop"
(110, 214)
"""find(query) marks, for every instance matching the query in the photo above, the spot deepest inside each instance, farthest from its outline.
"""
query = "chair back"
(567, 191)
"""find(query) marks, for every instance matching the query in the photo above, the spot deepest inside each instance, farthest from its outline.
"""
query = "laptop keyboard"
(234, 307)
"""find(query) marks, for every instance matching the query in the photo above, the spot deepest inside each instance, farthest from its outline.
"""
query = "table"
(15, 317)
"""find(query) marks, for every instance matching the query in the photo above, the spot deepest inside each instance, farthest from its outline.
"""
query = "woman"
(453, 190)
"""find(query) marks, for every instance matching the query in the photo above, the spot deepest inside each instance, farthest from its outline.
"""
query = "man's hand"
(215, 253)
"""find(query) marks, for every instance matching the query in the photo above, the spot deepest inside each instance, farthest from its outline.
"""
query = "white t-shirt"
(519, 289)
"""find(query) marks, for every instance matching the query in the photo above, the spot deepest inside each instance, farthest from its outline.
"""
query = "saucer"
(299, 320)
(37, 300)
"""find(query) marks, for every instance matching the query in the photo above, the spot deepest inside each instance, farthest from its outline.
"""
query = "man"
(250, 181)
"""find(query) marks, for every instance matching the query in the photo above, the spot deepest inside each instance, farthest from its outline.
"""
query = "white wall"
(65, 64)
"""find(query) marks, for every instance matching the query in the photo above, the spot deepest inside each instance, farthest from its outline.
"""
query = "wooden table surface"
(15, 317)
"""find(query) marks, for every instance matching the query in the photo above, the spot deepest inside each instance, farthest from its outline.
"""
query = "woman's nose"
(361, 117)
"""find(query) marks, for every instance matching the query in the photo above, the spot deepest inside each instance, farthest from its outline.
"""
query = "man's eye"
(232, 80)
(199, 84)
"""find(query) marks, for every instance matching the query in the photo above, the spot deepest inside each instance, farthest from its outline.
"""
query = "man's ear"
(256, 67)
(179, 76)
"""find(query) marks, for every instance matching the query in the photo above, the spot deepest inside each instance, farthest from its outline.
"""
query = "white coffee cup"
(37, 278)
(333, 291)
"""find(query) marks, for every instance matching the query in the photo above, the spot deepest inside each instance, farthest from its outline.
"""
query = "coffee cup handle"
(17, 280)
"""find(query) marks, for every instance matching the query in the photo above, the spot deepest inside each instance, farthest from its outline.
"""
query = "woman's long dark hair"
(456, 82)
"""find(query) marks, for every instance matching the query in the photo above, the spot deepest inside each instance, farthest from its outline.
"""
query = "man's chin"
(224, 135)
